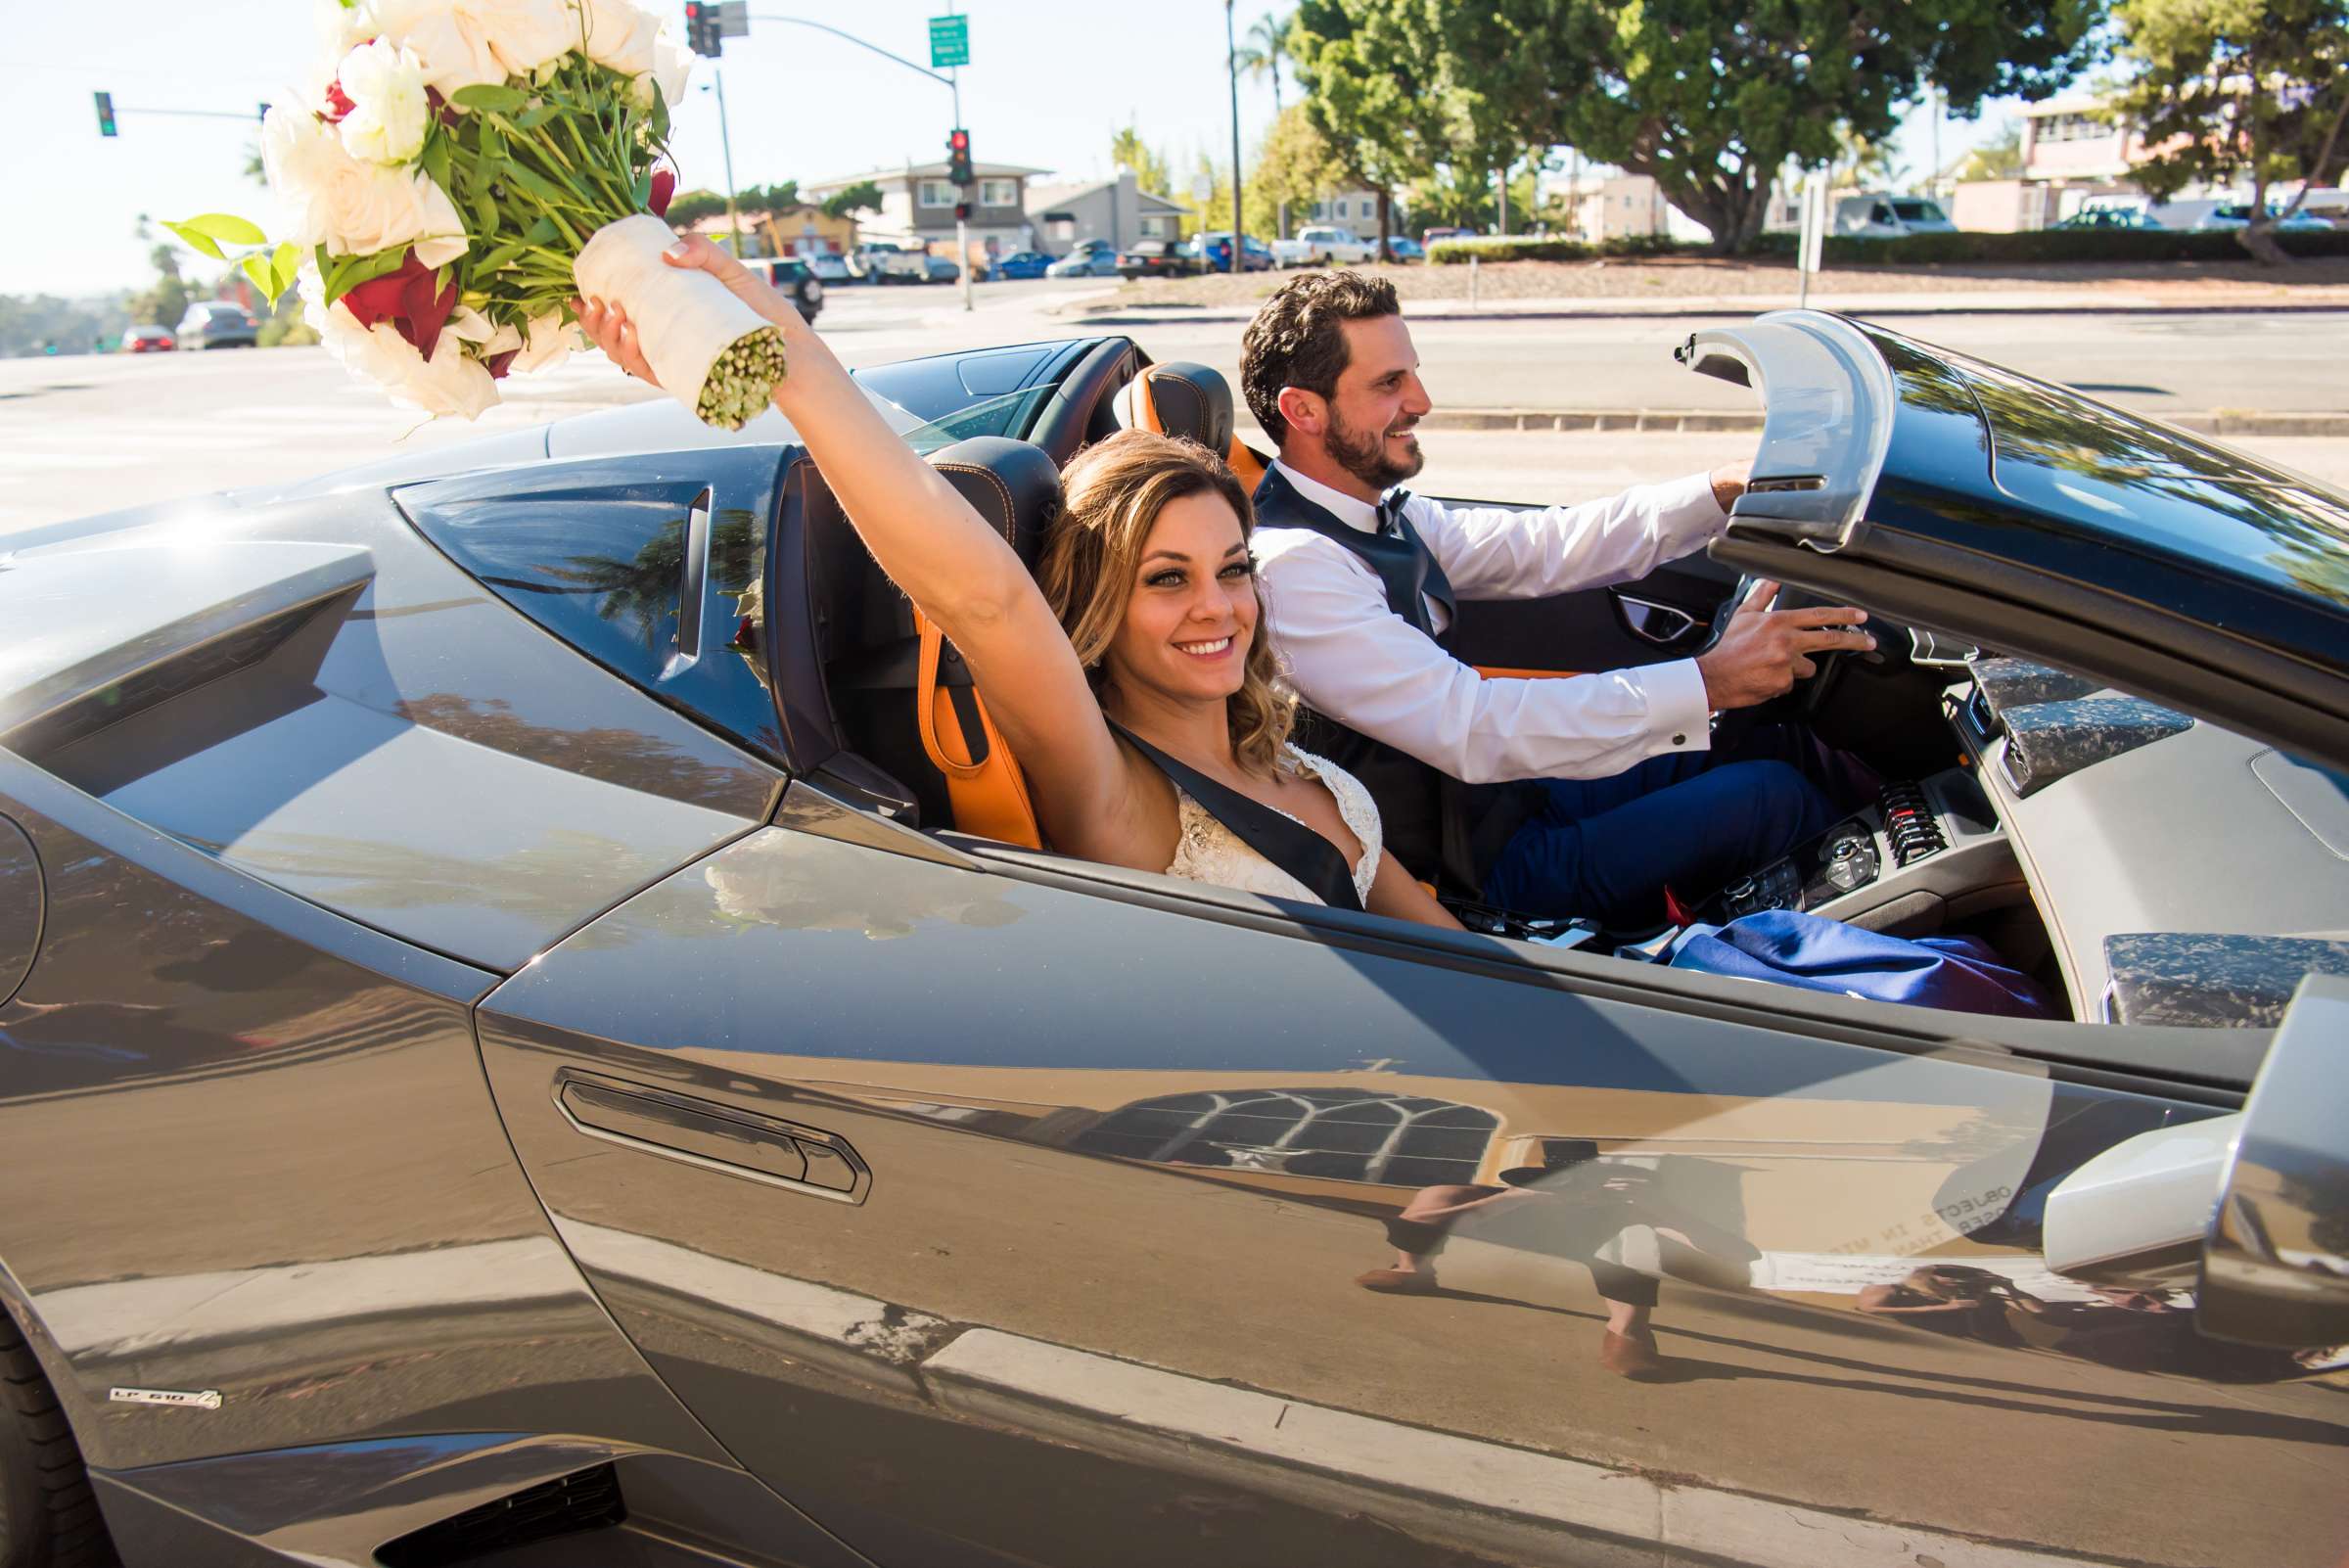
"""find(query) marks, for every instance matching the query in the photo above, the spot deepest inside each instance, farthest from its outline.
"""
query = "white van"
(1888, 217)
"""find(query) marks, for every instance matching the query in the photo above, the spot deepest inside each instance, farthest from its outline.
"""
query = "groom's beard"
(1363, 454)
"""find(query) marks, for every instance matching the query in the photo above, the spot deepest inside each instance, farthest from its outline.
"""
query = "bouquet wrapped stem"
(713, 352)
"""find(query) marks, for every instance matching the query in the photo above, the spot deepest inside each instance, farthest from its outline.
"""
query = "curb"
(1684, 421)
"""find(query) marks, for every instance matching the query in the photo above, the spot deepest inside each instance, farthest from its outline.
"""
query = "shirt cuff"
(1678, 719)
(1691, 500)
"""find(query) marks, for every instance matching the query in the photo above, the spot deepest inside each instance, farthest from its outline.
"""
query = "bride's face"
(1191, 614)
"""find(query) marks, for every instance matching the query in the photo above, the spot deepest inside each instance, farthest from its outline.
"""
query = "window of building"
(998, 193)
(1157, 227)
(936, 193)
(1338, 1135)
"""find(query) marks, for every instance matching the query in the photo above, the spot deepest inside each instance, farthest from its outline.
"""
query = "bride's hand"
(610, 330)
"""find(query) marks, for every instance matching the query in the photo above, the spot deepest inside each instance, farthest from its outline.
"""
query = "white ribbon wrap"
(684, 317)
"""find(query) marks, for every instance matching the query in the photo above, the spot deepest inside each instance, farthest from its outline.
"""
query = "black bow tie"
(1389, 512)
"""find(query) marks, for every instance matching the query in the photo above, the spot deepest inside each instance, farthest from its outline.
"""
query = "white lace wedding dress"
(1210, 851)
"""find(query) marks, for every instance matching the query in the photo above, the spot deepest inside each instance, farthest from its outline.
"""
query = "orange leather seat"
(1193, 401)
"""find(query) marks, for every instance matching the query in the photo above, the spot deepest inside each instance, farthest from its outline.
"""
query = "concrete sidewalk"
(1693, 421)
(1092, 309)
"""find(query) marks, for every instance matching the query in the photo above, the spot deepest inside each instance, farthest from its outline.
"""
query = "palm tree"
(1266, 51)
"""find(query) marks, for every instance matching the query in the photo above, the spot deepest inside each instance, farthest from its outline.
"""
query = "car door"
(1000, 1209)
(1668, 614)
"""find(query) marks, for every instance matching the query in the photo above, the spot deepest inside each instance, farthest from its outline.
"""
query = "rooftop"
(934, 171)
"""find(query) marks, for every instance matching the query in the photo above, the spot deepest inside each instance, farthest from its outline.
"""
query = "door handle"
(1661, 624)
(714, 1136)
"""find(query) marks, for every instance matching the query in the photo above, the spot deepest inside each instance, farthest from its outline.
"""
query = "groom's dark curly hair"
(1297, 339)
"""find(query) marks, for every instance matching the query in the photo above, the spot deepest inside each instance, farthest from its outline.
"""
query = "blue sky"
(1049, 81)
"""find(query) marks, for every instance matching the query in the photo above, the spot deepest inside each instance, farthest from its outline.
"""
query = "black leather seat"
(901, 695)
(1194, 403)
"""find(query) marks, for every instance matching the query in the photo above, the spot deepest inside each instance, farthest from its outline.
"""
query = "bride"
(1145, 711)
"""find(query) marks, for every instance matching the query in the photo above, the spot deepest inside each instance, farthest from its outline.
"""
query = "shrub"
(1965, 246)
(1549, 248)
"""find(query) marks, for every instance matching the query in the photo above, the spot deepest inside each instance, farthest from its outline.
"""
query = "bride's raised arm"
(951, 564)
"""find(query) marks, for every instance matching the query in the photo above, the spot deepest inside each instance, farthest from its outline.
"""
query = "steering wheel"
(1810, 694)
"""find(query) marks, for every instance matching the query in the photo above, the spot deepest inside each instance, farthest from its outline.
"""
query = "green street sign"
(949, 42)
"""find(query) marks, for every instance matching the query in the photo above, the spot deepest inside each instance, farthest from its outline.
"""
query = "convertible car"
(535, 1029)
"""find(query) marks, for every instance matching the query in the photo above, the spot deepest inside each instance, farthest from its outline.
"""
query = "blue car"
(1022, 264)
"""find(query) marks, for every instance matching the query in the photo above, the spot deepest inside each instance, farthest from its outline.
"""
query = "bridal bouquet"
(458, 170)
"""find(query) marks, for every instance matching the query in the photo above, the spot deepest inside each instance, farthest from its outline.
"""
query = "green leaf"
(493, 142)
(545, 189)
(643, 191)
(501, 100)
(490, 261)
(285, 265)
(485, 213)
(203, 231)
(256, 267)
(436, 158)
(542, 232)
(534, 116)
(355, 270)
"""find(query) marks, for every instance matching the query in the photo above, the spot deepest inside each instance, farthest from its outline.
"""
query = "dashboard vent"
(588, 1499)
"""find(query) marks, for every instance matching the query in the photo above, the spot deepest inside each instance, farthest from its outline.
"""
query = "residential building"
(917, 206)
(1356, 210)
(802, 229)
(1117, 211)
(1607, 204)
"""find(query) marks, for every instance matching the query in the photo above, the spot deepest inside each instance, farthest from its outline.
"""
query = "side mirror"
(2276, 1257)
(2250, 1210)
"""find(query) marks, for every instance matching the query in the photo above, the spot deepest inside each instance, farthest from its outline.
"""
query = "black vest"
(1442, 830)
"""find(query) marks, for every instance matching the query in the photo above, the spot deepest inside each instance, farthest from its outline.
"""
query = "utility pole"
(725, 143)
(1231, 69)
(963, 201)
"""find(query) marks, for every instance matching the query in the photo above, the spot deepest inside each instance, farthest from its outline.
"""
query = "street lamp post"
(1231, 69)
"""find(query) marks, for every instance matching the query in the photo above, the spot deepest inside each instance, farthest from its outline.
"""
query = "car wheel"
(48, 1515)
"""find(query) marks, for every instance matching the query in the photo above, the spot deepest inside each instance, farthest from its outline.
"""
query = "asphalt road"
(86, 435)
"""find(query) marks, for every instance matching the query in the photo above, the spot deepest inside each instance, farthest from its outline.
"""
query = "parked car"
(147, 341)
(1022, 264)
(1155, 259)
(681, 1121)
(795, 279)
(941, 270)
(881, 261)
(829, 266)
(2237, 214)
(1402, 247)
(1211, 249)
(2109, 217)
(1324, 245)
(217, 324)
(1428, 237)
(1088, 259)
(1890, 217)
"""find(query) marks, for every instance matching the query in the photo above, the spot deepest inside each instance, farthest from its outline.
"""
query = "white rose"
(469, 44)
(620, 34)
(352, 207)
(672, 62)
(451, 382)
(342, 28)
(388, 114)
(550, 343)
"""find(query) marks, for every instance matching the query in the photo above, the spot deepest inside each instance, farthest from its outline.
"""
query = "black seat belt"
(1280, 838)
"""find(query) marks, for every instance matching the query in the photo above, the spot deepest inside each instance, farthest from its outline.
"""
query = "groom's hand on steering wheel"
(1764, 652)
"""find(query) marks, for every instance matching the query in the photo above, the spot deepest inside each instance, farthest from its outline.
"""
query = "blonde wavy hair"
(1093, 558)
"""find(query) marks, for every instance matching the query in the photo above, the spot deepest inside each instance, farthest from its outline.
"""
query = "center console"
(1927, 851)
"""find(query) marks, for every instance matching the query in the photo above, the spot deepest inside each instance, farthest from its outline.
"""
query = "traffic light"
(958, 158)
(106, 113)
(701, 24)
(962, 212)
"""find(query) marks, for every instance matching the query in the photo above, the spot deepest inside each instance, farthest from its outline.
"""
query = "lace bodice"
(1210, 851)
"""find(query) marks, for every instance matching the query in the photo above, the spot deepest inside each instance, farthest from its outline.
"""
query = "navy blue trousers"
(1606, 848)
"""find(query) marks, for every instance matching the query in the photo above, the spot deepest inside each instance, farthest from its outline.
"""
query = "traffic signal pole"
(962, 228)
(725, 144)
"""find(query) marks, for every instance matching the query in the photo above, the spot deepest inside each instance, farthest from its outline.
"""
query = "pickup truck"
(1327, 246)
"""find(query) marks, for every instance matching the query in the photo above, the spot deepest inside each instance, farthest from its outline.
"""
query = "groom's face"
(1378, 401)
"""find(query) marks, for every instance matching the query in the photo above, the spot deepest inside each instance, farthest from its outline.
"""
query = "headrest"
(1014, 484)
(1192, 402)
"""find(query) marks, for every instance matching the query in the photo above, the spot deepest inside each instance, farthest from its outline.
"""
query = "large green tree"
(1127, 150)
(1711, 101)
(1374, 72)
(2230, 90)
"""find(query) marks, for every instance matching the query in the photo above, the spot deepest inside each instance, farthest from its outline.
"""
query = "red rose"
(337, 103)
(408, 301)
(665, 186)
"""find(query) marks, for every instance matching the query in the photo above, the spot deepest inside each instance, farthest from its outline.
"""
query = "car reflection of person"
(1619, 791)
(1137, 662)
(1574, 1206)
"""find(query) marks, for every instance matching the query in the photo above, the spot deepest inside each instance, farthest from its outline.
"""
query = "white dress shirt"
(1357, 661)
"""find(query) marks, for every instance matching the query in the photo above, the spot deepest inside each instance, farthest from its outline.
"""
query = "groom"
(1587, 795)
